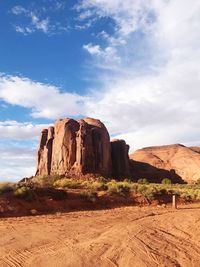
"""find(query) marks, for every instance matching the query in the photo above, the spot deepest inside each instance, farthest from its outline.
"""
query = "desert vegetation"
(141, 187)
(54, 194)
(110, 187)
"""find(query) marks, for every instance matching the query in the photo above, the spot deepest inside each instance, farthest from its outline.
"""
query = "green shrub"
(24, 192)
(46, 180)
(134, 187)
(118, 187)
(166, 181)
(67, 183)
(97, 185)
(102, 179)
(112, 187)
(127, 180)
(143, 181)
(188, 196)
(147, 191)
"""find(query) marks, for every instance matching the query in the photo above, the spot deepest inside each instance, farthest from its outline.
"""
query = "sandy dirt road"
(129, 236)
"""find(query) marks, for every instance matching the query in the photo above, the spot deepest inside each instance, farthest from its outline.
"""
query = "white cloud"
(40, 24)
(129, 15)
(13, 130)
(18, 149)
(93, 49)
(24, 30)
(152, 97)
(85, 14)
(130, 18)
(38, 21)
(44, 100)
(106, 55)
(17, 162)
(18, 10)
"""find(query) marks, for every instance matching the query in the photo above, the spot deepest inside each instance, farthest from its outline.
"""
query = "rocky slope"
(81, 147)
(173, 161)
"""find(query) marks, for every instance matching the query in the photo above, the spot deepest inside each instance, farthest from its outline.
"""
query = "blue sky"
(134, 64)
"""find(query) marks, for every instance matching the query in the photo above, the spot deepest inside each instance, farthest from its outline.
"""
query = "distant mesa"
(177, 162)
(78, 148)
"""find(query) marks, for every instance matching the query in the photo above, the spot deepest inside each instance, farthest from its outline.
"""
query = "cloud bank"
(45, 101)
(13, 130)
(151, 96)
(16, 161)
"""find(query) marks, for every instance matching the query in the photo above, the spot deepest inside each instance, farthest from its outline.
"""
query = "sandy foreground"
(128, 236)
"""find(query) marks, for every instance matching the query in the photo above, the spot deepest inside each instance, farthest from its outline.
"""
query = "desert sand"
(128, 236)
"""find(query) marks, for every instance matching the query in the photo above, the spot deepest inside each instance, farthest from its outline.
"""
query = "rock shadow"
(153, 174)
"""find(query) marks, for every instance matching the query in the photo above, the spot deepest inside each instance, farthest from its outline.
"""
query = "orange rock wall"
(75, 148)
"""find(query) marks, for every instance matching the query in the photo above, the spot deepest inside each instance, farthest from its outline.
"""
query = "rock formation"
(81, 147)
(45, 151)
(120, 158)
(173, 161)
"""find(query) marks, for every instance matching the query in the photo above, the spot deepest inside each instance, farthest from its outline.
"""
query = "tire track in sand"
(119, 239)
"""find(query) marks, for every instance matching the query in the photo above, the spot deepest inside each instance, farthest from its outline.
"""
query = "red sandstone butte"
(79, 147)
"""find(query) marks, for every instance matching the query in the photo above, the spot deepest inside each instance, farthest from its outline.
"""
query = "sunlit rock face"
(75, 148)
(178, 162)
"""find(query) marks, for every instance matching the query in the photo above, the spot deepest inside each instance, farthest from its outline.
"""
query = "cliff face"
(45, 151)
(120, 158)
(75, 148)
(173, 161)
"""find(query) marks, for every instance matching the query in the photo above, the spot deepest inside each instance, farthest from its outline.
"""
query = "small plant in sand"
(147, 191)
(118, 187)
(25, 193)
(143, 181)
(166, 181)
(98, 185)
(68, 183)
(102, 179)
